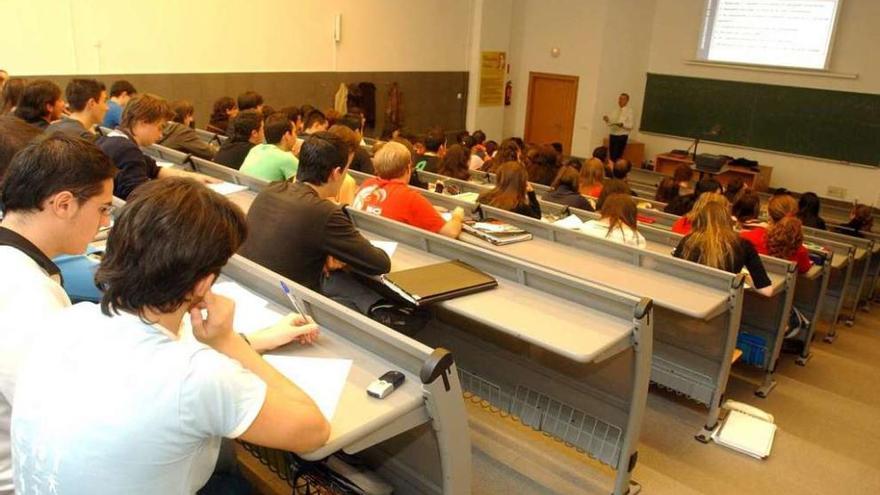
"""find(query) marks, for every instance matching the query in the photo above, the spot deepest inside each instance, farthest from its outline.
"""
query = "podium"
(758, 180)
(634, 152)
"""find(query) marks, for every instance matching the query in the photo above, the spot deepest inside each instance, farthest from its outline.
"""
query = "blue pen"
(286, 290)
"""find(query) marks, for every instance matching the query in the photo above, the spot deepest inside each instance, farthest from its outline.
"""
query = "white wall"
(491, 32)
(674, 40)
(197, 36)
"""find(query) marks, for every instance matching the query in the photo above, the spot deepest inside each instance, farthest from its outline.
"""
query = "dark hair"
(479, 136)
(306, 110)
(244, 124)
(123, 86)
(542, 163)
(12, 91)
(667, 190)
(249, 100)
(601, 152)
(351, 140)
(683, 173)
(508, 151)
(315, 117)
(277, 126)
(609, 187)
(455, 162)
(351, 120)
(808, 208)
(15, 134)
(491, 147)
(459, 138)
(49, 166)
(571, 161)
(319, 155)
(557, 146)
(146, 108)
(706, 185)
(625, 94)
(293, 113)
(747, 206)
(519, 142)
(222, 106)
(434, 139)
(510, 187)
(181, 109)
(621, 168)
(266, 111)
(79, 91)
(734, 188)
(568, 176)
(34, 99)
(138, 273)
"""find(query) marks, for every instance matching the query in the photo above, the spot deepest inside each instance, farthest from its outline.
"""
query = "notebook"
(496, 232)
(438, 282)
(747, 430)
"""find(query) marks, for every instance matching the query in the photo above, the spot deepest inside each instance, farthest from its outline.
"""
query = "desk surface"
(577, 332)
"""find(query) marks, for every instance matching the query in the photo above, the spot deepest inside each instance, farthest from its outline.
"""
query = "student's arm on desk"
(344, 243)
(453, 227)
(288, 419)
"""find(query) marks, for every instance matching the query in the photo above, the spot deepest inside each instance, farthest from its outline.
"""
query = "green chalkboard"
(826, 124)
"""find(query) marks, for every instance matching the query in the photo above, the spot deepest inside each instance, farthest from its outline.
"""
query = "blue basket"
(753, 347)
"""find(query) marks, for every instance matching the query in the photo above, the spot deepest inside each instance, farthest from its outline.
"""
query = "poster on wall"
(492, 65)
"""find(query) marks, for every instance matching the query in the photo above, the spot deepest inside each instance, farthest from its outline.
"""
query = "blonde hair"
(712, 241)
(592, 173)
(392, 160)
(703, 200)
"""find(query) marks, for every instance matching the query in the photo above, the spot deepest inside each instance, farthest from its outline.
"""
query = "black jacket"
(563, 195)
(134, 166)
(293, 230)
(233, 153)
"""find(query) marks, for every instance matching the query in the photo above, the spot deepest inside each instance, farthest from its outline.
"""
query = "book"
(747, 430)
(496, 232)
(438, 282)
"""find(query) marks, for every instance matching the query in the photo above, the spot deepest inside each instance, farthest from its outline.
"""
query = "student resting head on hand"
(512, 191)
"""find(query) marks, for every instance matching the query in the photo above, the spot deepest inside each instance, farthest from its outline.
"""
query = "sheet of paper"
(322, 379)
(569, 222)
(227, 188)
(239, 294)
(163, 163)
(388, 246)
(470, 197)
(447, 215)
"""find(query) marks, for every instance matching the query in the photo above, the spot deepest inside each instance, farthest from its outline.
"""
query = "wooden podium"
(634, 152)
(758, 180)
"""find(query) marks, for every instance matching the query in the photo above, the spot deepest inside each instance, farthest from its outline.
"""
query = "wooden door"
(550, 109)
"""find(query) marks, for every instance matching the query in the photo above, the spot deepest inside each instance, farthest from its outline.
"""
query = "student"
(120, 94)
(455, 163)
(225, 109)
(435, 147)
(141, 126)
(612, 186)
(469, 143)
(295, 116)
(349, 186)
(57, 193)
(316, 121)
(746, 211)
(362, 162)
(713, 243)
(683, 176)
(542, 164)
(601, 153)
(491, 147)
(15, 134)
(390, 196)
(145, 407)
(87, 101)
(617, 222)
(12, 91)
(808, 211)
(250, 100)
(684, 223)
(274, 160)
(246, 131)
(592, 177)
(508, 151)
(414, 177)
(480, 149)
(565, 189)
(734, 189)
(861, 219)
(782, 237)
(620, 171)
(179, 133)
(40, 104)
(295, 229)
(512, 191)
(667, 190)
(683, 204)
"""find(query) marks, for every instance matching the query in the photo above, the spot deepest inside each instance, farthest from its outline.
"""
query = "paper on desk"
(569, 222)
(239, 294)
(470, 197)
(227, 188)
(251, 311)
(323, 379)
(388, 246)
(164, 164)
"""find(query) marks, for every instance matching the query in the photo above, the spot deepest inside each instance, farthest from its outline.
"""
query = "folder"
(438, 282)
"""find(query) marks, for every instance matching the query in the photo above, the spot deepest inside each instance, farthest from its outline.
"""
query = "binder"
(438, 282)
(496, 232)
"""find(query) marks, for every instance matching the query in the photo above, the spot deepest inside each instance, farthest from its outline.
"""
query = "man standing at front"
(620, 125)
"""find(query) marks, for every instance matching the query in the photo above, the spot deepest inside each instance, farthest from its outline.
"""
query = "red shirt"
(682, 226)
(758, 238)
(395, 200)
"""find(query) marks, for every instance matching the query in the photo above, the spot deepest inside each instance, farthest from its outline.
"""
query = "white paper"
(388, 246)
(470, 197)
(227, 188)
(323, 379)
(239, 294)
(569, 222)
(163, 164)
(447, 215)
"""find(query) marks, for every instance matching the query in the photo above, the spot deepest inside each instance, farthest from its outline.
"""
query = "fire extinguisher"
(508, 93)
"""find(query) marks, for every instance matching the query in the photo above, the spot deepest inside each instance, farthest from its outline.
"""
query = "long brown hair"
(784, 234)
(620, 210)
(592, 174)
(712, 241)
(455, 163)
(567, 176)
(612, 186)
(510, 187)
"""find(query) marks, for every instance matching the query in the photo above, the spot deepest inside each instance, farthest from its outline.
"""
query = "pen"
(286, 290)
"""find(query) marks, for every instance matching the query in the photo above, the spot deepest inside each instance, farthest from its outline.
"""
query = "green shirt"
(269, 162)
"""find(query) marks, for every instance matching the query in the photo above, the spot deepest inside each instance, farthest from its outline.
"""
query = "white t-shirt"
(27, 293)
(625, 235)
(115, 405)
(621, 121)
